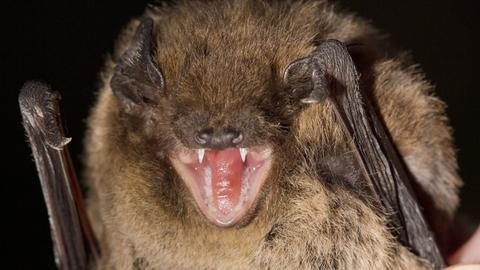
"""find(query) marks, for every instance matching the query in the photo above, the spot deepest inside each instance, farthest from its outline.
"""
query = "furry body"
(225, 59)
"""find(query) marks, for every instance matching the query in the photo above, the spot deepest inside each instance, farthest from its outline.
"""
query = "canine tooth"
(243, 153)
(200, 154)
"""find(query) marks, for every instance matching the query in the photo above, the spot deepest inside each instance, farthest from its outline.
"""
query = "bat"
(250, 145)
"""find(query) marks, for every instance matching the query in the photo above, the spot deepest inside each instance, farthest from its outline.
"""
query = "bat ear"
(323, 68)
(306, 80)
(137, 80)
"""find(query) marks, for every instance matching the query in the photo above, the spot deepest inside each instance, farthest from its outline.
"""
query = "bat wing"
(75, 246)
(334, 77)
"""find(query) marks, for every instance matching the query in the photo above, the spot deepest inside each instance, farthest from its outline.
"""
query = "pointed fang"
(243, 153)
(200, 154)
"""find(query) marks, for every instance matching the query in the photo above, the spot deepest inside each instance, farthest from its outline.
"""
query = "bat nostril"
(237, 138)
(204, 136)
(219, 139)
(199, 139)
(231, 137)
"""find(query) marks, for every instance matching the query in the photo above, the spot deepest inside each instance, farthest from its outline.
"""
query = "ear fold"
(137, 80)
(298, 76)
(326, 66)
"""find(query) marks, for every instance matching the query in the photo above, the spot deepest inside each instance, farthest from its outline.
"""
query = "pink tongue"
(227, 169)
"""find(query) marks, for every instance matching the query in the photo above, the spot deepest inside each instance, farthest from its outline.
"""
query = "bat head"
(217, 119)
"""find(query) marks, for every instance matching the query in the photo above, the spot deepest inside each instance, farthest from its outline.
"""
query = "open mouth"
(223, 183)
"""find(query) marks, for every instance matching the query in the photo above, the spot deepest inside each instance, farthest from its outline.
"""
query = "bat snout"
(218, 139)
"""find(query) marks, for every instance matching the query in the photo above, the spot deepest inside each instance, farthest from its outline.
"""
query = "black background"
(65, 43)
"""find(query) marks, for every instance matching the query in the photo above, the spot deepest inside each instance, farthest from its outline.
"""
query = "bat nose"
(218, 139)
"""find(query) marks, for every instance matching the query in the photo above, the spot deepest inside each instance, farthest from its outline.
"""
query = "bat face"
(219, 134)
(223, 149)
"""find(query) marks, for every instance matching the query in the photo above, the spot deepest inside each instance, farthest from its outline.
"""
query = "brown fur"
(225, 60)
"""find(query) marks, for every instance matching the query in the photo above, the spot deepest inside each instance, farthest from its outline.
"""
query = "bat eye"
(218, 139)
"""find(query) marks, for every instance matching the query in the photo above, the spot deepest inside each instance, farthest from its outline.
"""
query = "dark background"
(65, 43)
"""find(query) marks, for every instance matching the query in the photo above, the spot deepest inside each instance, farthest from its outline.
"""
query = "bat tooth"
(243, 153)
(200, 154)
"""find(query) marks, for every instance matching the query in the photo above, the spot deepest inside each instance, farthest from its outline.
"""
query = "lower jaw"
(246, 204)
(210, 207)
